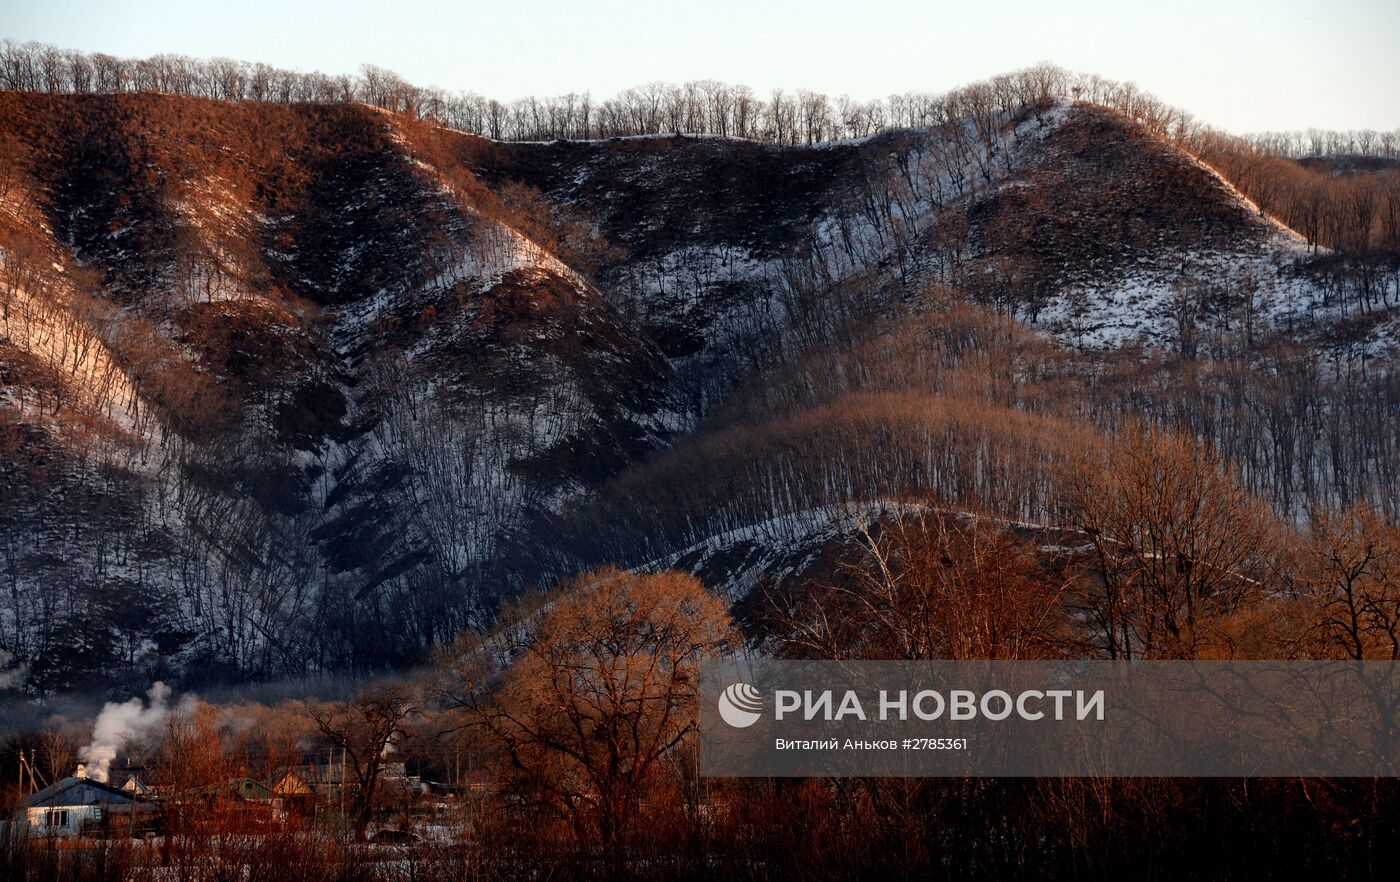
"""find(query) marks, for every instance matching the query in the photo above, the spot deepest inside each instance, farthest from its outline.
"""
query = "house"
(78, 804)
(237, 804)
(296, 794)
(291, 784)
(307, 788)
(468, 781)
(247, 790)
(135, 785)
(325, 780)
(329, 780)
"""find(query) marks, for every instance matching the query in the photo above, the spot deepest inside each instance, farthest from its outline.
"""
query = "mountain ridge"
(361, 375)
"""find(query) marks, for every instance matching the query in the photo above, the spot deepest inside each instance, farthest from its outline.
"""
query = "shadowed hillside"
(303, 387)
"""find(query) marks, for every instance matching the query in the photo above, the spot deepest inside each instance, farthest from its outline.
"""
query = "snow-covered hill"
(292, 388)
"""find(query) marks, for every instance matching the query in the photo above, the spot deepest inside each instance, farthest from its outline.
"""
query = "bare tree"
(1351, 579)
(931, 585)
(367, 730)
(1177, 544)
(588, 688)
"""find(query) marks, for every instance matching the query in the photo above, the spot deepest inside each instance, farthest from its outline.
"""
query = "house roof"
(313, 773)
(290, 784)
(78, 791)
(246, 789)
(133, 784)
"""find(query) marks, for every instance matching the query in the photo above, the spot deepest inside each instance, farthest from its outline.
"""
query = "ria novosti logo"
(740, 705)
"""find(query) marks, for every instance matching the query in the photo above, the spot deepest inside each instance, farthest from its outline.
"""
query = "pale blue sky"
(1244, 65)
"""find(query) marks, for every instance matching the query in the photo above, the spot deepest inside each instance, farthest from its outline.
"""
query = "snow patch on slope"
(91, 380)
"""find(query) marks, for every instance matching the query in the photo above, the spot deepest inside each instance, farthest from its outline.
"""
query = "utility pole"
(35, 779)
(26, 765)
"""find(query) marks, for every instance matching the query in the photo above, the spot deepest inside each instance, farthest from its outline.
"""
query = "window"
(56, 818)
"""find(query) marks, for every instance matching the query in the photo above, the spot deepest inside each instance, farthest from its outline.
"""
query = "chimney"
(81, 771)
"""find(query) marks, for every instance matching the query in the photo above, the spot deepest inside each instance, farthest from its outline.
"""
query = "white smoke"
(119, 725)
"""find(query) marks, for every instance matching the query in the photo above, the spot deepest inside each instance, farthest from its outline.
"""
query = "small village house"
(78, 805)
(295, 793)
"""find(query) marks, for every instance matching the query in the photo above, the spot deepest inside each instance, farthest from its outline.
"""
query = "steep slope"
(735, 254)
(1118, 237)
(1069, 216)
(319, 363)
(292, 388)
(1077, 222)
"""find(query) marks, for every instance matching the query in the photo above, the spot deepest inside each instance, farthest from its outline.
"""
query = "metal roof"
(78, 791)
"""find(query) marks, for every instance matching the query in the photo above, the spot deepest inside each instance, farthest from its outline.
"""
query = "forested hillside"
(298, 376)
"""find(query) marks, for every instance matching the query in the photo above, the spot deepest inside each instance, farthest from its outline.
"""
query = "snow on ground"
(733, 563)
(474, 493)
(214, 214)
(1142, 306)
(746, 307)
(1151, 304)
(91, 381)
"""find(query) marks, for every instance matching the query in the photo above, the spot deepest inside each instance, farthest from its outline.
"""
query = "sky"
(1240, 65)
